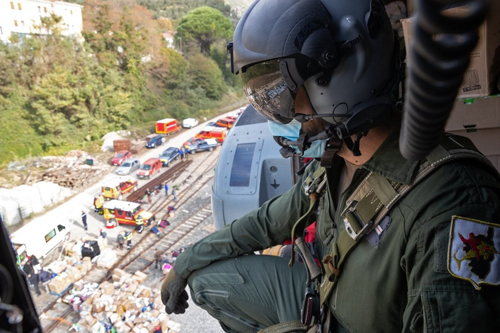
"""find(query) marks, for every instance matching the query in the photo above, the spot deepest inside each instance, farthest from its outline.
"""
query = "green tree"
(204, 25)
(207, 75)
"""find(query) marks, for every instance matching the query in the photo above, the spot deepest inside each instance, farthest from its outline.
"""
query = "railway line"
(190, 177)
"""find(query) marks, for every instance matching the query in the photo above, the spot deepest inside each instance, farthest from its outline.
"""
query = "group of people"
(183, 151)
(175, 188)
(34, 272)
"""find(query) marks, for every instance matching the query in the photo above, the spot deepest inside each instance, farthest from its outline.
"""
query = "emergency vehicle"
(124, 212)
(167, 126)
(116, 188)
(49, 234)
(218, 134)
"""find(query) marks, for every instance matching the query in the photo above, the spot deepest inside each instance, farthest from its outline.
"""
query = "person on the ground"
(102, 233)
(84, 220)
(139, 221)
(181, 153)
(44, 278)
(169, 258)
(186, 152)
(32, 273)
(166, 189)
(120, 240)
(128, 239)
(98, 204)
(174, 194)
(158, 255)
(400, 246)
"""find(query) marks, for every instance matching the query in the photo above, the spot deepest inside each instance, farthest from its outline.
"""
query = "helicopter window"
(242, 165)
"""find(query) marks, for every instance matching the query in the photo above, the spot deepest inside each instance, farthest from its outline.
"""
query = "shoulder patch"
(473, 251)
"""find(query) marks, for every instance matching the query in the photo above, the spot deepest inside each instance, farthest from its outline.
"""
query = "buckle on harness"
(316, 185)
(354, 224)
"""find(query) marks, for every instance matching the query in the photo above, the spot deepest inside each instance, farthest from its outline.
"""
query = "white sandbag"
(10, 212)
(34, 196)
(23, 201)
(107, 258)
(63, 193)
(48, 192)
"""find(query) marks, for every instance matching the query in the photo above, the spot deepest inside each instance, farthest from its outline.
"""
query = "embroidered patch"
(473, 251)
(374, 236)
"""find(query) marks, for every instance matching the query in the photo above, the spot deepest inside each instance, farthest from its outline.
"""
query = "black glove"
(173, 293)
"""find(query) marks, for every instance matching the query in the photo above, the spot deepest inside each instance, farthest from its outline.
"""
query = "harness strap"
(287, 326)
(314, 186)
(375, 196)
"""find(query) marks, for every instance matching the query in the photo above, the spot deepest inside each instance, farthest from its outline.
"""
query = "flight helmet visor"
(267, 91)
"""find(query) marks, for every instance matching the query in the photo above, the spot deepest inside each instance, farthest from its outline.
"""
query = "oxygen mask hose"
(440, 55)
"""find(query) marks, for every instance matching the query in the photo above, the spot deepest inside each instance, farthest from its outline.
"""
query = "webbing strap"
(378, 197)
(301, 225)
(287, 326)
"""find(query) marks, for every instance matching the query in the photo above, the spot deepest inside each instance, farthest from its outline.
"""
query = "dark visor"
(267, 91)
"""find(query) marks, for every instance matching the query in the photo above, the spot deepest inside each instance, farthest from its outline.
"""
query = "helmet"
(340, 51)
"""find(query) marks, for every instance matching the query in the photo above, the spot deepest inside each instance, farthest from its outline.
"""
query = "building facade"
(20, 16)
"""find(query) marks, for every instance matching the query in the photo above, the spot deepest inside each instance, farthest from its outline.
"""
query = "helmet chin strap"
(364, 116)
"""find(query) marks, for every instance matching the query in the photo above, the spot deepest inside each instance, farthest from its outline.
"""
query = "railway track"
(141, 256)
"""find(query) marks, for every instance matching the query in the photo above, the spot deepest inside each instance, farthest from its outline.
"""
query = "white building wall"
(19, 16)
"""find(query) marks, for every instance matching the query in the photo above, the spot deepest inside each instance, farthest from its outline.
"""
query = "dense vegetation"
(59, 93)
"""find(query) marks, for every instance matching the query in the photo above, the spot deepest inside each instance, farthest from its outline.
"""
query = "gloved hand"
(173, 293)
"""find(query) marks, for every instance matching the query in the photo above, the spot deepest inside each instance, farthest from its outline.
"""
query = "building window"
(12, 5)
(15, 23)
(44, 9)
(19, 6)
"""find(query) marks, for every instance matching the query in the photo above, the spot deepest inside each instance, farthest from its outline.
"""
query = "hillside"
(58, 93)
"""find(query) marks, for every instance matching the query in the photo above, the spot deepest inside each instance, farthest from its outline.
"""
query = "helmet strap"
(354, 145)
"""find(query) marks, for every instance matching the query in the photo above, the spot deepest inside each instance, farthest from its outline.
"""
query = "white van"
(39, 237)
(189, 123)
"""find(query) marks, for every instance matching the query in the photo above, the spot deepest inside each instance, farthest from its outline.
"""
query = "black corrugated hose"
(439, 56)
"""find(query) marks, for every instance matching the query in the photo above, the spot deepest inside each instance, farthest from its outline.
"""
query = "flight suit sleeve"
(443, 297)
(269, 225)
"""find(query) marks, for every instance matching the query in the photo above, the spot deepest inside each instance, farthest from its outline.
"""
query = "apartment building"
(19, 17)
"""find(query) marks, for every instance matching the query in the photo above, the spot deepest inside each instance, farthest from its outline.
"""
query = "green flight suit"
(396, 281)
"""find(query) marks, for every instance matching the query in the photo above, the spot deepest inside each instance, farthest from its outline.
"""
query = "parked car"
(217, 133)
(192, 141)
(225, 122)
(170, 154)
(128, 166)
(189, 123)
(149, 168)
(203, 145)
(211, 124)
(120, 157)
(155, 141)
(115, 188)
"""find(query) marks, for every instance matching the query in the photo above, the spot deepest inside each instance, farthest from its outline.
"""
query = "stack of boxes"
(127, 305)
